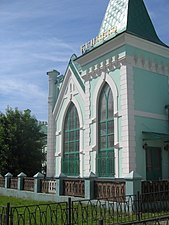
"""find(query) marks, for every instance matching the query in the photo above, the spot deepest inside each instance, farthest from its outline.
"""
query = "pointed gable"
(130, 16)
(72, 84)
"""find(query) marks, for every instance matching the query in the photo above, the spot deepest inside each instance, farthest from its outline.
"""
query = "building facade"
(108, 115)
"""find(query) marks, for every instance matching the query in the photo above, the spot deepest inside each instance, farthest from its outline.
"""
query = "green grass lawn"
(17, 201)
(28, 212)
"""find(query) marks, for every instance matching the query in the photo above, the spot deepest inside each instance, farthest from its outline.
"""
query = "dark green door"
(153, 163)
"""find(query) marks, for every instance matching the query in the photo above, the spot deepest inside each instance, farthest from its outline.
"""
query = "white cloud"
(24, 95)
(21, 89)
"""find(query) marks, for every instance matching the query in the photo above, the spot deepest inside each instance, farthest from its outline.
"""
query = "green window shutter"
(105, 154)
(70, 159)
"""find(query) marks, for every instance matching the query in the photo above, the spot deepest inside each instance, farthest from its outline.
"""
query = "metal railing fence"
(43, 214)
(134, 209)
(4, 215)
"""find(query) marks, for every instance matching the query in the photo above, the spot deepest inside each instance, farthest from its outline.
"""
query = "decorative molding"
(70, 97)
(71, 89)
(150, 115)
(146, 45)
(107, 47)
(82, 152)
(59, 154)
(119, 41)
(106, 66)
(116, 146)
(94, 149)
(82, 128)
(58, 133)
(116, 115)
(93, 120)
(149, 64)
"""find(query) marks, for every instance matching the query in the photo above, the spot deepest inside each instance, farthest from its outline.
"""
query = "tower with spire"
(111, 112)
(129, 16)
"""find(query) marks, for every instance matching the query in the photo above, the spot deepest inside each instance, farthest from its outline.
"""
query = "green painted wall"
(150, 91)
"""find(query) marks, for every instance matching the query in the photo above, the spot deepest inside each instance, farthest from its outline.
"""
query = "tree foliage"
(21, 143)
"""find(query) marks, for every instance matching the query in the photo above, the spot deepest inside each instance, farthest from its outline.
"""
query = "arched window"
(105, 154)
(70, 159)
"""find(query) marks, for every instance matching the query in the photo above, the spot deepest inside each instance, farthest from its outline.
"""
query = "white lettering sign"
(98, 39)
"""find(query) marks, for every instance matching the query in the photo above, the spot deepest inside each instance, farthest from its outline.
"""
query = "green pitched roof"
(76, 70)
(75, 67)
(130, 16)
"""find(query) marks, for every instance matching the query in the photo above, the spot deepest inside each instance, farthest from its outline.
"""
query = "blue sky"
(37, 36)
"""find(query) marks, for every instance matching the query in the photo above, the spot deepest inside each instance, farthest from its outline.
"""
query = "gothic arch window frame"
(71, 139)
(105, 153)
(65, 108)
(79, 113)
(106, 78)
(75, 102)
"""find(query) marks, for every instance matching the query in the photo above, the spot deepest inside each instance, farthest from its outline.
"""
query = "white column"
(51, 139)
(87, 139)
(128, 119)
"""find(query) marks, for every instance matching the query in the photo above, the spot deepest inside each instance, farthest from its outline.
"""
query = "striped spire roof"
(130, 16)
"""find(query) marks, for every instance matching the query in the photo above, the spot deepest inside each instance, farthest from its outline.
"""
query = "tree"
(21, 142)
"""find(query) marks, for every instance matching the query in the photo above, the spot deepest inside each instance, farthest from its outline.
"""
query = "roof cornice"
(119, 41)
